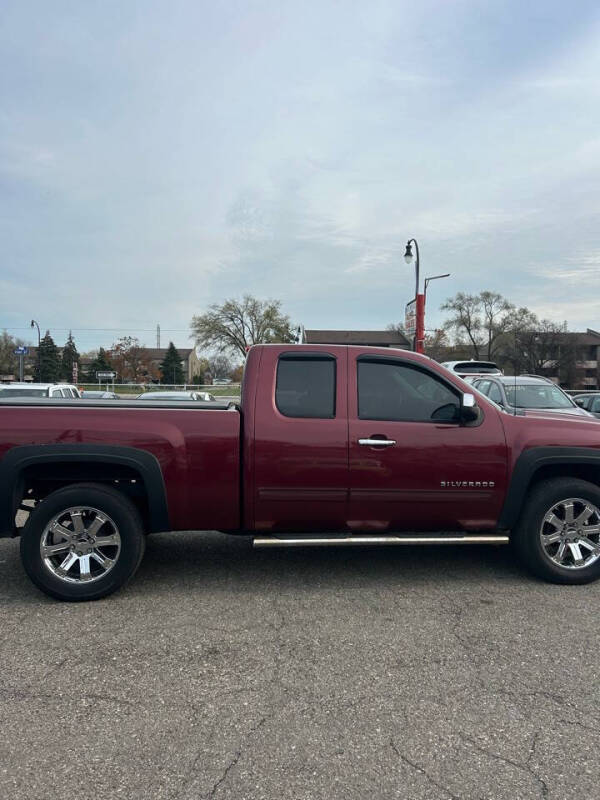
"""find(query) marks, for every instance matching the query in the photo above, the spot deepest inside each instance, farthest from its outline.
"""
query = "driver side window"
(389, 390)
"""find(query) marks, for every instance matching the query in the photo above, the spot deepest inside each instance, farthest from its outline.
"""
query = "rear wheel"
(82, 542)
(558, 535)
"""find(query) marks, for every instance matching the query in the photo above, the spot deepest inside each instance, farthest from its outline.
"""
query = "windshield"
(534, 396)
(474, 390)
(23, 393)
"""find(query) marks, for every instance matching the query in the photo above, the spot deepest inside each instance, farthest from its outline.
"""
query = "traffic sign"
(21, 351)
(106, 376)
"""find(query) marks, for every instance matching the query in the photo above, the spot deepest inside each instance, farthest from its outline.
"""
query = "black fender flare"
(531, 461)
(17, 459)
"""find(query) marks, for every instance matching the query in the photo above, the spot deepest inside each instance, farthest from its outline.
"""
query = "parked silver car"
(590, 401)
(533, 395)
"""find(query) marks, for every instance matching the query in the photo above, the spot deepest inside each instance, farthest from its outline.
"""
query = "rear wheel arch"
(135, 473)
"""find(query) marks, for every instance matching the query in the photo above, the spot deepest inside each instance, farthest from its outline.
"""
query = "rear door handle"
(377, 442)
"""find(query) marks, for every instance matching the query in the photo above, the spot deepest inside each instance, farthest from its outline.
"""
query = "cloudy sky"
(158, 156)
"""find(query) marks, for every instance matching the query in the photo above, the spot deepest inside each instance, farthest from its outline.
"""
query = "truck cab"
(365, 440)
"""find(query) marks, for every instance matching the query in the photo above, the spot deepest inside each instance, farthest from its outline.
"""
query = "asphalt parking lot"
(223, 672)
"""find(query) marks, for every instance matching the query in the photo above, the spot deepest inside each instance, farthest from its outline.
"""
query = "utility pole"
(158, 336)
(419, 301)
(39, 355)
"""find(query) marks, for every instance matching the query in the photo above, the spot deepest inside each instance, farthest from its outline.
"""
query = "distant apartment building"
(586, 369)
(573, 362)
(189, 360)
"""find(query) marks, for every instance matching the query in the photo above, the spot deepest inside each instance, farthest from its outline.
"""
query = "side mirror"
(580, 401)
(469, 411)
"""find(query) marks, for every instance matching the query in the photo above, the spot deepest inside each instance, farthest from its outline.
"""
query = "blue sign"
(21, 351)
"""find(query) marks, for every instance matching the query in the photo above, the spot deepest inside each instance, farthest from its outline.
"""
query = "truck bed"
(197, 446)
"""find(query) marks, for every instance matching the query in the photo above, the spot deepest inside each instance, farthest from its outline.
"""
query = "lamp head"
(408, 253)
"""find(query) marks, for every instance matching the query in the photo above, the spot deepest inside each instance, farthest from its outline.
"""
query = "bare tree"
(480, 321)
(437, 345)
(220, 366)
(398, 328)
(517, 343)
(465, 321)
(237, 324)
(496, 312)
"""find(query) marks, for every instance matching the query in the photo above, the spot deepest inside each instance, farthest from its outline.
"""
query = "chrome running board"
(345, 541)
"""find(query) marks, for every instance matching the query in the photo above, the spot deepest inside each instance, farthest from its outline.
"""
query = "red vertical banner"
(420, 324)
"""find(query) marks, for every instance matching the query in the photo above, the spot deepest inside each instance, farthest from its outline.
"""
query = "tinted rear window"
(478, 367)
(306, 387)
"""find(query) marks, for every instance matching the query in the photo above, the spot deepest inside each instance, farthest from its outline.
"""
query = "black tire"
(109, 502)
(526, 537)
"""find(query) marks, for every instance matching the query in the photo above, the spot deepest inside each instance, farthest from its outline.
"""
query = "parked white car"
(469, 369)
(56, 390)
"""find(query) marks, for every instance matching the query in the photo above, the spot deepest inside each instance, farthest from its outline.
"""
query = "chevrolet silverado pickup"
(328, 446)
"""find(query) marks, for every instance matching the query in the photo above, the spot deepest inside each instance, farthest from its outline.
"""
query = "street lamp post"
(427, 282)
(39, 364)
(434, 278)
(419, 298)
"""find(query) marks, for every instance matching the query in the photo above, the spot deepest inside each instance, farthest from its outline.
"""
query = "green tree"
(101, 363)
(50, 365)
(237, 324)
(170, 367)
(70, 356)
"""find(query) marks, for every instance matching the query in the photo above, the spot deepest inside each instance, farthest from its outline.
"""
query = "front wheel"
(558, 535)
(82, 542)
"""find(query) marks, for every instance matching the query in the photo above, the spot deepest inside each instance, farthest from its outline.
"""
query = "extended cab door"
(413, 465)
(300, 476)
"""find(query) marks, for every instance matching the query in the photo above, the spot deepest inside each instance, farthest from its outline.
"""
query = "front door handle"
(377, 442)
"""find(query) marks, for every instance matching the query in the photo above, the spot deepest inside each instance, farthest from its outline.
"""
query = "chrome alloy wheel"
(570, 533)
(80, 545)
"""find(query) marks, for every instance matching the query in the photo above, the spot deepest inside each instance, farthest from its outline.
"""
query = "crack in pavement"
(234, 760)
(21, 694)
(524, 767)
(225, 774)
(422, 771)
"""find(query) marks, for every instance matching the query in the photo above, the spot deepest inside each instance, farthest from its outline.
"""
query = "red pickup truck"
(330, 445)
